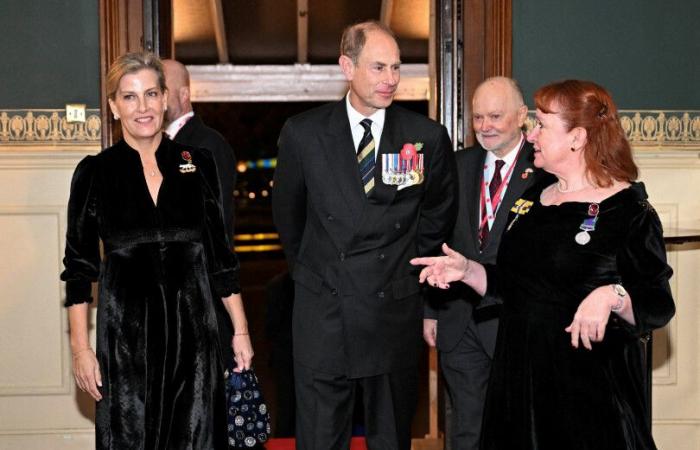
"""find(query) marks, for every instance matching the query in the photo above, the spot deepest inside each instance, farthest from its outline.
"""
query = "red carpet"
(288, 444)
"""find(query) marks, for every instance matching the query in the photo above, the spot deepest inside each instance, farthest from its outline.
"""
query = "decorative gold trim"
(656, 128)
(33, 127)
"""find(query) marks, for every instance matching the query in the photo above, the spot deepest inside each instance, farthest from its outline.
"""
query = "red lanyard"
(489, 206)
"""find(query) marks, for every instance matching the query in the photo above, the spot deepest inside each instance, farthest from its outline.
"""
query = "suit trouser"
(466, 369)
(325, 404)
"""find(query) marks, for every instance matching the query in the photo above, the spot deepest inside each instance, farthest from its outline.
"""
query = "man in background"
(491, 177)
(185, 127)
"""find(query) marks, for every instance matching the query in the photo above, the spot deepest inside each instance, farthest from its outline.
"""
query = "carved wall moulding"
(48, 126)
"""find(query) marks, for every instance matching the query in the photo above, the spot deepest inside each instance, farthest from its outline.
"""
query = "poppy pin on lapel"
(188, 167)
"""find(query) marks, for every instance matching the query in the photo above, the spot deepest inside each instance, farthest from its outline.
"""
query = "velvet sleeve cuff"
(78, 291)
(225, 283)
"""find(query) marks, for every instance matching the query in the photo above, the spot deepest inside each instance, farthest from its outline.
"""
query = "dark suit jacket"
(454, 308)
(358, 304)
(197, 134)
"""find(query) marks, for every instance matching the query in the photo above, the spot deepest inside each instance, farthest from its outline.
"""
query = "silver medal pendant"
(583, 238)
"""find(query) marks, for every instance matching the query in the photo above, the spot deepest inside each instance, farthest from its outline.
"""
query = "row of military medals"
(404, 168)
(583, 237)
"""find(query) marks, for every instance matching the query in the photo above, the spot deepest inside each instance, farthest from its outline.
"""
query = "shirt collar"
(509, 159)
(178, 123)
(355, 117)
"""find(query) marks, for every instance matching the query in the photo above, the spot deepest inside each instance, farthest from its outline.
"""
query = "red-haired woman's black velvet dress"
(543, 393)
(163, 268)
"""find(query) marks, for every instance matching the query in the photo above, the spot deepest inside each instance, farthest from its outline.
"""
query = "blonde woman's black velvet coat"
(163, 267)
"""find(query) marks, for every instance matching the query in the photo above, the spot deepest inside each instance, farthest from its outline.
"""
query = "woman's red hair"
(584, 104)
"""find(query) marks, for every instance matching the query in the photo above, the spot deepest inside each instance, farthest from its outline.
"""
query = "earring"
(116, 117)
(573, 149)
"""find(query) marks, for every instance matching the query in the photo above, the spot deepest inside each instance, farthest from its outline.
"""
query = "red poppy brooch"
(405, 168)
(188, 167)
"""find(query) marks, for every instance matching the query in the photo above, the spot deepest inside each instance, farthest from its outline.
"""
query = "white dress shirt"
(358, 130)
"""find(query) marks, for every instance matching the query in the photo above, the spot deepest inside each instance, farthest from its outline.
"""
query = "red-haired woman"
(582, 271)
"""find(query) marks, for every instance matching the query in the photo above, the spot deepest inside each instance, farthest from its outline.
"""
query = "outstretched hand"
(440, 271)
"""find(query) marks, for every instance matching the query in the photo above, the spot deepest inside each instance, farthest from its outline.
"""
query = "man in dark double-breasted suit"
(361, 187)
(460, 322)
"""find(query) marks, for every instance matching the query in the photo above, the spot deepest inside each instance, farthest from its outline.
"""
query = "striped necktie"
(494, 184)
(365, 157)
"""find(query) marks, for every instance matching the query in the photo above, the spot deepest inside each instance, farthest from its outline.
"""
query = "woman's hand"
(242, 351)
(592, 316)
(242, 348)
(86, 370)
(440, 271)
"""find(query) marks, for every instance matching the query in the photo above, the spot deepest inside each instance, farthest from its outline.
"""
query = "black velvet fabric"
(157, 345)
(544, 394)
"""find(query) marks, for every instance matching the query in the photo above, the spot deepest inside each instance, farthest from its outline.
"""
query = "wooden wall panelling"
(488, 47)
(121, 31)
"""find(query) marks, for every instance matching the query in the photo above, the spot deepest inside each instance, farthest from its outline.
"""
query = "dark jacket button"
(334, 291)
(330, 217)
(380, 294)
(397, 225)
(342, 256)
(381, 256)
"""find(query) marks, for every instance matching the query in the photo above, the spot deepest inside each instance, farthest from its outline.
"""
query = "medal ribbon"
(489, 206)
(588, 224)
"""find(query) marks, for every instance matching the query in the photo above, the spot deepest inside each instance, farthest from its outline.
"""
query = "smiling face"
(375, 77)
(139, 103)
(497, 116)
(553, 143)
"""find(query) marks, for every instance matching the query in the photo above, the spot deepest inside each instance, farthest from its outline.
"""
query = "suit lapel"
(384, 193)
(342, 161)
(516, 187)
(474, 171)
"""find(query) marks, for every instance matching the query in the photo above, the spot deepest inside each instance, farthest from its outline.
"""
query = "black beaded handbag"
(248, 417)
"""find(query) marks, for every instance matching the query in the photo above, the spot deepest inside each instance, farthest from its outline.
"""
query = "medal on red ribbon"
(583, 237)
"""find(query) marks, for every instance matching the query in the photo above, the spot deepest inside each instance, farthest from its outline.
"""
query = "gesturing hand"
(440, 271)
